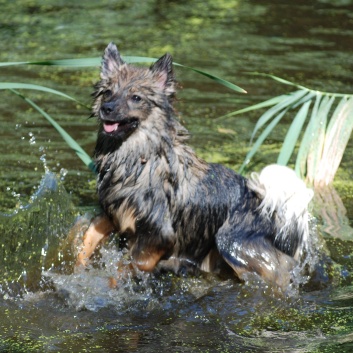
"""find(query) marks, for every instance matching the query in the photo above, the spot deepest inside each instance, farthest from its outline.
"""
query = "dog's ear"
(111, 61)
(163, 73)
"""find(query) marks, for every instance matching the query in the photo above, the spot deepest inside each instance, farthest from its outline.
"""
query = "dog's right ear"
(111, 61)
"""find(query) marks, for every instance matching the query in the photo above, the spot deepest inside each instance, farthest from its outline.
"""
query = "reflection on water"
(47, 306)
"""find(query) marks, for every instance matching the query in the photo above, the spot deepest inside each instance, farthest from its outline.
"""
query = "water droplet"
(63, 173)
(44, 161)
(32, 139)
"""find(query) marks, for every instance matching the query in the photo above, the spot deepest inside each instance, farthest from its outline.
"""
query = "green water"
(44, 307)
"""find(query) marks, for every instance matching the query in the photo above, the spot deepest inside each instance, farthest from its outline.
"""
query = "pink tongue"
(110, 127)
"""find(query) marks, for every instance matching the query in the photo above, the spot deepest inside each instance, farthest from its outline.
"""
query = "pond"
(47, 307)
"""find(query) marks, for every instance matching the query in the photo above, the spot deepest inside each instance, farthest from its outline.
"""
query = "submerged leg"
(247, 248)
(100, 228)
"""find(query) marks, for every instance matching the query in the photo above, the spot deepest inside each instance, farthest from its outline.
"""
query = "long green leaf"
(86, 159)
(306, 98)
(293, 134)
(301, 162)
(87, 62)
(261, 139)
(283, 104)
(279, 79)
(215, 78)
(318, 137)
(13, 85)
(82, 62)
(267, 103)
(338, 133)
(286, 82)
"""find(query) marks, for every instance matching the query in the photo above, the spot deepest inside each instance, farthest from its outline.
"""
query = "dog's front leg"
(150, 247)
(100, 228)
(148, 259)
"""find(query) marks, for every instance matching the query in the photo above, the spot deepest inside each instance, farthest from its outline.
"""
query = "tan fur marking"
(126, 218)
(100, 228)
(147, 260)
(209, 263)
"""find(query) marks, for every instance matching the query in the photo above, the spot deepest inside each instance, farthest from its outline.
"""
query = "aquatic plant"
(324, 138)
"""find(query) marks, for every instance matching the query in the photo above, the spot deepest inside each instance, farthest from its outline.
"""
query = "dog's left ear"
(163, 72)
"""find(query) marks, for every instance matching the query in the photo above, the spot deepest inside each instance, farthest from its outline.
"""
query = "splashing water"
(38, 256)
(31, 236)
(91, 288)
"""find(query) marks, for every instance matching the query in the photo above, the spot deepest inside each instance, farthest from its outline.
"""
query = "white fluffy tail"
(283, 192)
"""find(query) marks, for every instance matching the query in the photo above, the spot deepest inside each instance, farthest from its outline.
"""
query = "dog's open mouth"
(114, 127)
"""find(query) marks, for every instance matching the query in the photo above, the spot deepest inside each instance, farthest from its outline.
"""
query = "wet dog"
(174, 210)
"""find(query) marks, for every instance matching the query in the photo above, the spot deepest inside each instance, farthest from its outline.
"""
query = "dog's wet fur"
(174, 210)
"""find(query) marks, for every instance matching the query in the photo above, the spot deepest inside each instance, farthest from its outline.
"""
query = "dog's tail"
(285, 197)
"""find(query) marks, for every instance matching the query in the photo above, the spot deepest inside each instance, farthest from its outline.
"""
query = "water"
(46, 306)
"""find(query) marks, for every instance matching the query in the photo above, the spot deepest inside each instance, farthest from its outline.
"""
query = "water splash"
(31, 235)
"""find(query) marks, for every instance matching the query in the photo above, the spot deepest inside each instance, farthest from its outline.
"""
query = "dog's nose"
(107, 108)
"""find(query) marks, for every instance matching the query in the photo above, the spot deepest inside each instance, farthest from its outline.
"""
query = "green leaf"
(261, 139)
(318, 137)
(293, 134)
(267, 103)
(283, 104)
(301, 162)
(82, 62)
(306, 98)
(279, 79)
(338, 133)
(286, 82)
(87, 62)
(14, 86)
(215, 78)
(86, 159)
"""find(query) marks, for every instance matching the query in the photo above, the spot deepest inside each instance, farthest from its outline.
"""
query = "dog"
(173, 210)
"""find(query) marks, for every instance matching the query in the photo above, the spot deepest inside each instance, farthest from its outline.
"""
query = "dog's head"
(127, 96)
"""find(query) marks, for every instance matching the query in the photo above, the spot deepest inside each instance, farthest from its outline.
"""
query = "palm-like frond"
(327, 130)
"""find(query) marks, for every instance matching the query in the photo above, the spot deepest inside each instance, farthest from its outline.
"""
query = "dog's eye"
(136, 98)
(107, 94)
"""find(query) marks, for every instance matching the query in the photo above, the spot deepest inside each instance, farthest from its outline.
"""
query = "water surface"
(44, 306)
